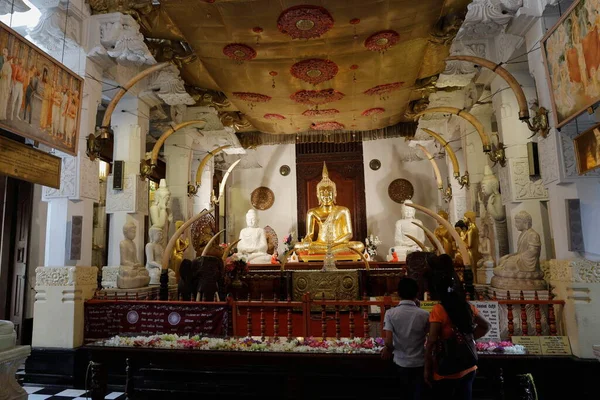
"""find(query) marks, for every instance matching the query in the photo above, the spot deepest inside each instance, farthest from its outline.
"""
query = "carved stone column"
(10, 361)
(130, 124)
(58, 318)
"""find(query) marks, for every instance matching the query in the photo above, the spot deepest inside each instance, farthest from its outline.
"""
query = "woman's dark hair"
(449, 291)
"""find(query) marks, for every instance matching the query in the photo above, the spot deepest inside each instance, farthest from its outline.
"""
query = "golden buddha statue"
(472, 237)
(328, 222)
(180, 247)
(444, 236)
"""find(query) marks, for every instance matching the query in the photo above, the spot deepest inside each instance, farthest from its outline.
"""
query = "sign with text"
(531, 343)
(555, 345)
(26, 163)
(489, 311)
(428, 305)
(104, 319)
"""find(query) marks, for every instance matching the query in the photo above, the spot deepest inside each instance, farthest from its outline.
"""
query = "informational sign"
(428, 305)
(531, 343)
(26, 163)
(489, 311)
(555, 345)
(105, 319)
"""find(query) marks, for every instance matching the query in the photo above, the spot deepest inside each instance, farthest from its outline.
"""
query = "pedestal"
(10, 360)
(109, 277)
(146, 293)
(485, 275)
(58, 309)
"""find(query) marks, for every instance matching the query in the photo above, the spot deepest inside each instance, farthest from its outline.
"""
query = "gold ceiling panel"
(266, 56)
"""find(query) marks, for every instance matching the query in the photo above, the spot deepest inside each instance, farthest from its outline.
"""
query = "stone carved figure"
(521, 270)
(486, 262)
(490, 187)
(327, 220)
(444, 236)
(160, 211)
(131, 273)
(402, 243)
(8, 336)
(253, 241)
(154, 253)
(181, 245)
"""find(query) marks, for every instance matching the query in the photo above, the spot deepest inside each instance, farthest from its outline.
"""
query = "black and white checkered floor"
(42, 393)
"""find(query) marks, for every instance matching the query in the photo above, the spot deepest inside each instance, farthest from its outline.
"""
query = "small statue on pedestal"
(486, 263)
(131, 273)
(472, 237)
(160, 211)
(404, 227)
(154, 253)
(521, 270)
(253, 241)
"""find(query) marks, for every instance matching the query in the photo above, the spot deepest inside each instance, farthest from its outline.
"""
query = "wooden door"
(345, 166)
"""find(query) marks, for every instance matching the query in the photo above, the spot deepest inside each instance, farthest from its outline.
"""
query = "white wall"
(383, 212)
(37, 245)
(282, 216)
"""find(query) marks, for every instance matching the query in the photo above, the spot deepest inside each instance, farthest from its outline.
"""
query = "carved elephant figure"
(201, 278)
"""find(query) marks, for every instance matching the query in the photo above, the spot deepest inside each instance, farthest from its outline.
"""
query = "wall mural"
(39, 98)
(572, 58)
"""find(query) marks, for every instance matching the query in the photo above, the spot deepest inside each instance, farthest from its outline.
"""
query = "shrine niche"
(346, 169)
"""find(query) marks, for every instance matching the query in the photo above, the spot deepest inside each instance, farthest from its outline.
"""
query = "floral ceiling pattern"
(276, 61)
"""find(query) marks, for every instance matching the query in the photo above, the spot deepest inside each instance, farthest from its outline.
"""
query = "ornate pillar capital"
(168, 86)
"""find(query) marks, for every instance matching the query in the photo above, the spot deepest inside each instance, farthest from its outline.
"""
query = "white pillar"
(130, 124)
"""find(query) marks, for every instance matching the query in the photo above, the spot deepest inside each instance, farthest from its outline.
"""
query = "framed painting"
(571, 51)
(587, 150)
(40, 98)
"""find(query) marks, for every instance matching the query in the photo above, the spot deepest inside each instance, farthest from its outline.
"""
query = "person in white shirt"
(405, 330)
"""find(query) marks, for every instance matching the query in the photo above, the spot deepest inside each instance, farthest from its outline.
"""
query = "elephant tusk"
(434, 240)
(436, 169)
(210, 242)
(417, 241)
(205, 160)
(169, 249)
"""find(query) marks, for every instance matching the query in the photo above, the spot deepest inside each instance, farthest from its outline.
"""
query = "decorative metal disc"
(262, 198)
(284, 170)
(401, 190)
(375, 164)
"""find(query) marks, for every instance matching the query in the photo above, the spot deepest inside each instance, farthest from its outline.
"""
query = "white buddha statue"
(403, 244)
(154, 253)
(131, 273)
(160, 210)
(253, 242)
(521, 270)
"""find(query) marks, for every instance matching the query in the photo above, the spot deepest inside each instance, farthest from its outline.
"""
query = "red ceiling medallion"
(315, 70)
(257, 29)
(239, 52)
(382, 41)
(326, 126)
(316, 97)
(251, 98)
(354, 67)
(373, 111)
(319, 113)
(274, 116)
(384, 90)
(305, 22)
(355, 21)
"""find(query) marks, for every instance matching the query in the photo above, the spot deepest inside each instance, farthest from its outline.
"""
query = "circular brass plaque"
(284, 170)
(305, 24)
(262, 198)
(401, 190)
(375, 164)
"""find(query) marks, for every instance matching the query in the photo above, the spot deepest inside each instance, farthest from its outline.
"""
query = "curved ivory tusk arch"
(504, 74)
(466, 116)
(462, 247)
(167, 254)
(161, 140)
(343, 246)
(210, 242)
(228, 249)
(436, 169)
(205, 161)
(224, 181)
(446, 145)
(417, 241)
(123, 89)
(435, 242)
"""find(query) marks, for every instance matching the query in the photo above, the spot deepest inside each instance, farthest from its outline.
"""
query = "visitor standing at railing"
(405, 329)
(451, 356)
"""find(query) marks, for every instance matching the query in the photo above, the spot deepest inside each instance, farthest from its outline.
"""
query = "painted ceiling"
(293, 66)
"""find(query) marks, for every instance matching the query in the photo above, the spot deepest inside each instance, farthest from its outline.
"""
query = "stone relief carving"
(50, 30)
(548, 158)
(578, 270)
(142, 197)
(506, 45)
(66, 276)
(169, 86)
(68, 179)
(120, 38)
(7, 7)
(88, 178)
(121, 200)
(487, 18)
(525, 187)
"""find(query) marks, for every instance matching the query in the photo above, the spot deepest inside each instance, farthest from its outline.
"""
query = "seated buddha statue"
(327, 222)
(253, 242)
(403, 244)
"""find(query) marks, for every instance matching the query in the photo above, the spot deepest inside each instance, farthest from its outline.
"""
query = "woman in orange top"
(453, 313)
